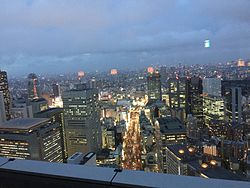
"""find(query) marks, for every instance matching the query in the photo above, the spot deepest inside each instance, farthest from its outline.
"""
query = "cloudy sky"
(46, 36)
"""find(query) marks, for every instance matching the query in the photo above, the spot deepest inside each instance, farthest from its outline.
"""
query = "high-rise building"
(169, 131)
(163, 72)
(154, 87)
(31, 138)
(213, 109)
(193, 131)
(33, 87)
(56, 90)
(195, 99)
(38, 105)
(4, 88)
(233, 104)
(56, 116)
(82, 120)
(177, 89)
(212, 86)
(2, 108)
(233, 92)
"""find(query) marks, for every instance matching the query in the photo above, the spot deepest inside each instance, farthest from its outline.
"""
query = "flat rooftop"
(186, 156)
(171, 125)
(23, 123)
(217, 172)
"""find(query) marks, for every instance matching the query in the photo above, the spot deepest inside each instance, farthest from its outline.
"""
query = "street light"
(204, 165)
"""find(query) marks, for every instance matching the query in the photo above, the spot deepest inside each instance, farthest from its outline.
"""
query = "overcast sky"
(68, 35)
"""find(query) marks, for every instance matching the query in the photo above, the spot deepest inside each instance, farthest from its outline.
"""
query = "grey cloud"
(117, 33)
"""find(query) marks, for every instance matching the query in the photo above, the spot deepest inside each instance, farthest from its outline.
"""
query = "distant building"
(82, 120)
(212, 86)
(31, 138)
(163, 72)
(2, 108)
(38, 105)
(154, 87)
(33, 87)
(21, 109)
(213, 110)
(233, 92)
(193, 131)
(233, 105)
(56, 90)
(4, 88)
(177, 91)
(194, 99)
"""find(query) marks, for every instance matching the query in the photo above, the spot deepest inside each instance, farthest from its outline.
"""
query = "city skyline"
(95, 35)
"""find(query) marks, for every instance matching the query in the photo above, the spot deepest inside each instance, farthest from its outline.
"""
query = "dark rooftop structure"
(170, 125)
(46, 113)
(23, 123)
(189, 156)
(217, 172)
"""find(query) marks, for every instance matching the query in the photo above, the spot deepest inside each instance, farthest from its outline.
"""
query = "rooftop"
(216, 172)
(23, 123)
(38, 100)
(171, 125)
(186, 155)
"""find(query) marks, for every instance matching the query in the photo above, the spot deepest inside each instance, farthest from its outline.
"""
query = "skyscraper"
(56, 90)
(154, 87)
(233, 92)
(56, 116)
(82, 120)
(163, 72)
(233, 104)
(33, 87)
(4, 88)
(177, 88)
(195, 99)
(2, 108)
(212, 86)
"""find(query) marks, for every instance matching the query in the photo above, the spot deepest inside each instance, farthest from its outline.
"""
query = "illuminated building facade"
(4, 88)
(33, 87)
(154, 87)
(177, 88)
(213, 110)
(56, 116)
(82, 120)
(31, 138)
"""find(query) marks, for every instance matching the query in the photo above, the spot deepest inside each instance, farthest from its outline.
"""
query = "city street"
(131, 143)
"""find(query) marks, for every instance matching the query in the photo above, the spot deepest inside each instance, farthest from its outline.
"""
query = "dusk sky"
(45, 36)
